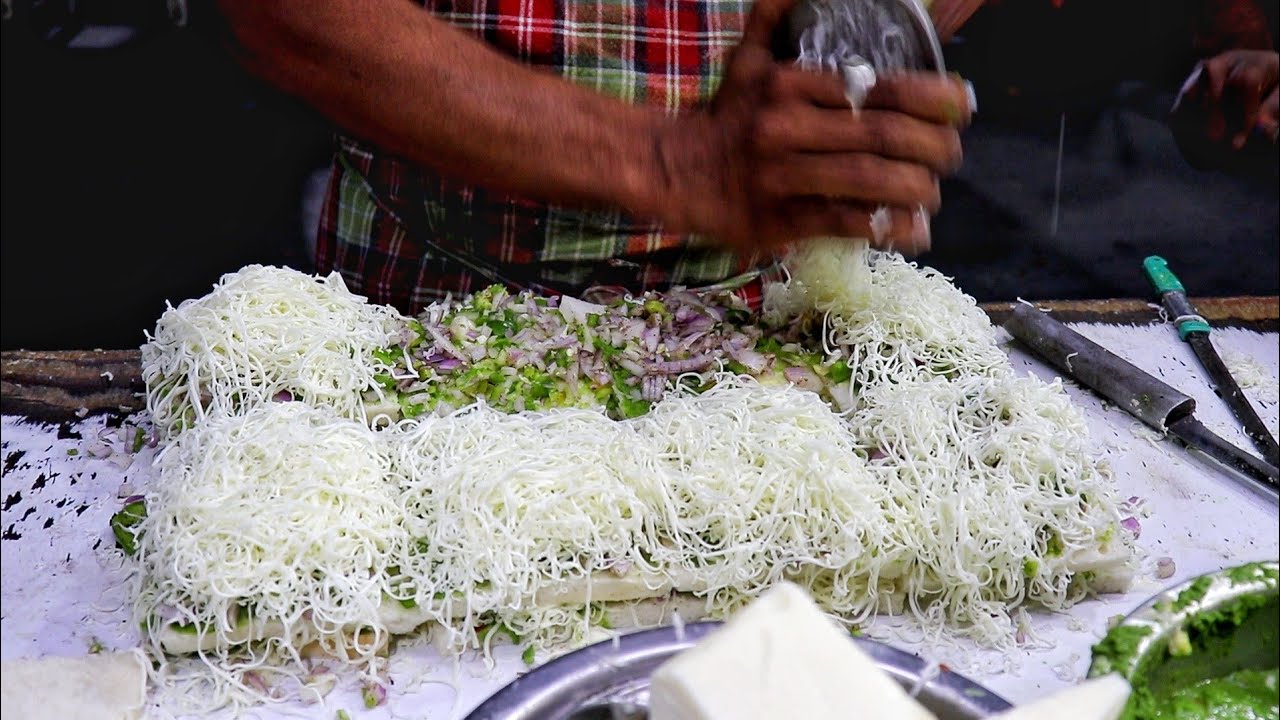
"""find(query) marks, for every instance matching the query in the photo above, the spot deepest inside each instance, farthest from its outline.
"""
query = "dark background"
(138, 174)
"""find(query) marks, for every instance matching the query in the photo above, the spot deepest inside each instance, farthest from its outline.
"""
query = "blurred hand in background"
(1236, 94)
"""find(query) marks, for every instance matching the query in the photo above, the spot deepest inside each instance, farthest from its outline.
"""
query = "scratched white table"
(64, 589)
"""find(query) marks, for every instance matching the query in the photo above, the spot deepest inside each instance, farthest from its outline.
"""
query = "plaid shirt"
(405, 236)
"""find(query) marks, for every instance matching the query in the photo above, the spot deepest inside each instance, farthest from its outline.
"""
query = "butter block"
(779, 657)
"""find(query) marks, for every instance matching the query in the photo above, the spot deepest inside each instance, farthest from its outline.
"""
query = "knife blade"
(1194, 330)
(1143, 396)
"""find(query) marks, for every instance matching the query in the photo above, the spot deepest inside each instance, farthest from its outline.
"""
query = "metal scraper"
(1141, 395)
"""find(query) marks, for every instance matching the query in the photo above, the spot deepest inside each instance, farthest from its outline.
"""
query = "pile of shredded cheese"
(260, 333)
(943, 485)
(279, 522)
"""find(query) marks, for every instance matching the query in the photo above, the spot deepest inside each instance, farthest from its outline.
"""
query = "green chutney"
(1241, 695)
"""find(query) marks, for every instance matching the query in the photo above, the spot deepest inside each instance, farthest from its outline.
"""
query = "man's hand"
(780, 156)
(1237, 92)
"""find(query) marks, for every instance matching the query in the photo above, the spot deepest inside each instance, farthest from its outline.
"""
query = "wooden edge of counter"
(57, 385)
(1257, 313)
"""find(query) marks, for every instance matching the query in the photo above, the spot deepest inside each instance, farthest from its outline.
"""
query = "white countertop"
(64, 588)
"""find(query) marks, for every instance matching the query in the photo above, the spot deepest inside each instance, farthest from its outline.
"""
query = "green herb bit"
(499, 627)
(1054, 547)
(839, 372)
(123, 524)
(419, 333)
(528, 656)
(72, 452)
(1194, 592)
(599, 617)
(343, 715)
(139, 439)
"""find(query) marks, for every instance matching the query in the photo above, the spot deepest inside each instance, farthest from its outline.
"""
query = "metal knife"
(1141, 395)
(1194, 330)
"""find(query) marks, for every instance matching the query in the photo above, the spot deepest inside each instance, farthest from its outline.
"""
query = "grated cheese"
(276, 523)
(260, 332)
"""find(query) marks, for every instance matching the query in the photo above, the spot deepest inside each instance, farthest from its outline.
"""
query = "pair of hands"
(780, 155)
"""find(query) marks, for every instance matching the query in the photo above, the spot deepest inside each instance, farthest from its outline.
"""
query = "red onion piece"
(448, 364)
(631, 366)
(1165, 567)
(651, 336)
(752, 360)
(675, 367)
(699, 324)
(374, 694)
(803, 378)
(254, 680)
(1132, 525)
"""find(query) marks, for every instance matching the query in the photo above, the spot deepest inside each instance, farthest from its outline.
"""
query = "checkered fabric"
(406, 237)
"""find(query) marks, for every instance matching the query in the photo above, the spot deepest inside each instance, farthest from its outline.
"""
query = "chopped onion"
(317, 684)
(374, 694)
(1132, 525)
(1165, 567)
(254, 680)
(675, 367)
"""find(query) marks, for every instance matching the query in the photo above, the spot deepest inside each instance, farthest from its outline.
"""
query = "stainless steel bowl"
(618, 671)
(1182, 635)
(919, 41)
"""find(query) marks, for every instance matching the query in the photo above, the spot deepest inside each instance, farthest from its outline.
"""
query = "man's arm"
(779, 157)
(390, 72)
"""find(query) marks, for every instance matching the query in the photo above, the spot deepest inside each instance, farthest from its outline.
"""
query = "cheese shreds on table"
(558, 468)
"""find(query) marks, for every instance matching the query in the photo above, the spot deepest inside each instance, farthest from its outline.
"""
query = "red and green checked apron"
(406, 237)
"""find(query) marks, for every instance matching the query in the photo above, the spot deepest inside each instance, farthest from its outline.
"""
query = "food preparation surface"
(65, 590)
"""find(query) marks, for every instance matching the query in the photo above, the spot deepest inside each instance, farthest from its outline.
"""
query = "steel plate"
(618, 670)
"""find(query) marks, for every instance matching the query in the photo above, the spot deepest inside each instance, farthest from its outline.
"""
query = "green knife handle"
(1174, 297)
(1161, 276)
